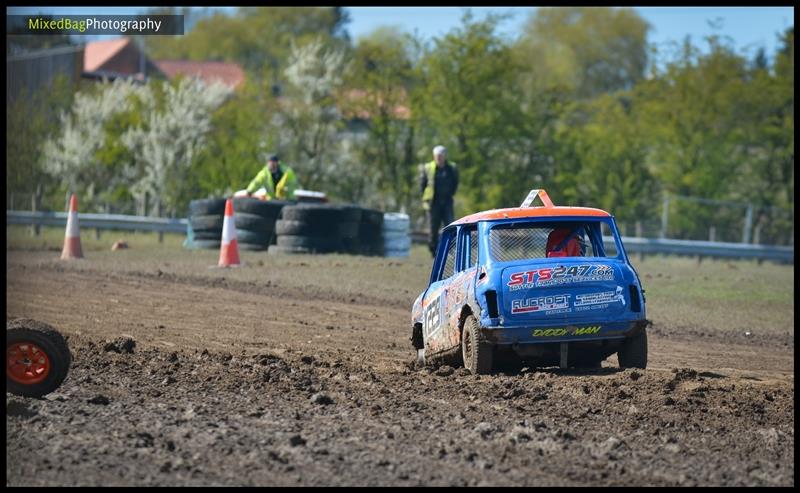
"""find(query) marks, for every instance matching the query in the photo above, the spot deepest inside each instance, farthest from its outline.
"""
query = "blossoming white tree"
(72, 155)
(170, 129)
(169, 138)
(309, 123)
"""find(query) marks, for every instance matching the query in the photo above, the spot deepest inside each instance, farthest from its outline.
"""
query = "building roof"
(526, 212)
(98, 53)
(115, 58)
(230, 74)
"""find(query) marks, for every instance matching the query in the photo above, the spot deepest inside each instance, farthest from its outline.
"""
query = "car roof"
(526, 212)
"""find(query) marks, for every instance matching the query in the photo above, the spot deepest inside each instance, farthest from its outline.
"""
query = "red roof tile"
(98, 53)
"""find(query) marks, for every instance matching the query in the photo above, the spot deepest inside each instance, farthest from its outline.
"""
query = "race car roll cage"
(483, 226)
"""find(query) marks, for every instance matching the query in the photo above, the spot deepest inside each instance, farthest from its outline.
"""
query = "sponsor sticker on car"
(545, 304)
(599, 300)
(566, 331)
(551, 276)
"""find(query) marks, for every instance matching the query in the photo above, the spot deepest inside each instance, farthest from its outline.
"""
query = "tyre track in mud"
(224, 388)
(193, 417)
(155, 310)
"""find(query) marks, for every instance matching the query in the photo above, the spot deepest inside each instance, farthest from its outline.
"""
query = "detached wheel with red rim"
(37, 358)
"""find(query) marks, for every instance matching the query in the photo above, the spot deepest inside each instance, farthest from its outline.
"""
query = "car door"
(434, 316)
(460, 289)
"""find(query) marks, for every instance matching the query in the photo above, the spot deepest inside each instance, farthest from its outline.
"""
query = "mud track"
(233, 382)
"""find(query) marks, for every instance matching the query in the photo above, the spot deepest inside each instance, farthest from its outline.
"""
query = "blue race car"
(547, 285)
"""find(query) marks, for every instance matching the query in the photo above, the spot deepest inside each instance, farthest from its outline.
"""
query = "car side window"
(608, 240)
(450, 259)
(472, 259)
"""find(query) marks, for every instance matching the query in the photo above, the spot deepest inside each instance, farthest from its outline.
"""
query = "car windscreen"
(530, 240)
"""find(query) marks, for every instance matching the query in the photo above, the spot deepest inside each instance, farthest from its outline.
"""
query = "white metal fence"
(633, 245)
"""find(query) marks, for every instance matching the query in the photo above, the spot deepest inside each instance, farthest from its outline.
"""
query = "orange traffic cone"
(229, 249)
(72, 239)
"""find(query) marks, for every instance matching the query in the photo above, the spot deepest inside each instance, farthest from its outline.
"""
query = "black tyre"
(253, 222)
(370, 232)
(318, 243)
(206, 244)
(207, 222)
(290, 227)
(255, 237)
(263, 208)
(351, 245)
(633, 353)
(316, 213)
(204, 207)
(275, 249)
(372, 217)
(208, 235)
(252, 246)
(348, 230)
(476, 352)
(351, 213)
(37, 358)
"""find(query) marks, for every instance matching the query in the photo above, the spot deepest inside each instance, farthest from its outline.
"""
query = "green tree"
(467, 104)
(694, 115)
(767, 176)
(259, 38)
(80, 155)
(607, 166)
(30, 120)
(588, 50)
(377, 91)
(240, 136)
(308, 121)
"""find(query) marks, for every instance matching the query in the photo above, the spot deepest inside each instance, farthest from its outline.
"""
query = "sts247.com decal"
(551, 276)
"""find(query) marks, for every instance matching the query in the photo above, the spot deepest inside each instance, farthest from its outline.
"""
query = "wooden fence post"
(35, 202)
(160, 233)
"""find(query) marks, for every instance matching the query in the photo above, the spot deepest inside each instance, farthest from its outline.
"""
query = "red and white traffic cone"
(229, 249)
(72, 239)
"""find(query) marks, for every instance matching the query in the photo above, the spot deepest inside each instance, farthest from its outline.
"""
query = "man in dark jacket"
(438, 184)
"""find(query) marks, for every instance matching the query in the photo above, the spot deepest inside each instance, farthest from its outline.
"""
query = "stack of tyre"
(205, 223)
(396, 234)
(370, 233)
(254, 220)
(317, 228)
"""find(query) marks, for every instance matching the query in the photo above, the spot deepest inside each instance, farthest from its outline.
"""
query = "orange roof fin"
(537, 193)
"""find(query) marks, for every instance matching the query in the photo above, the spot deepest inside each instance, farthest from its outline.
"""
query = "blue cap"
(274, 157)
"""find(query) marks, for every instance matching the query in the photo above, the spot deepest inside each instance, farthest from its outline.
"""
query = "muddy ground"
(241, 381)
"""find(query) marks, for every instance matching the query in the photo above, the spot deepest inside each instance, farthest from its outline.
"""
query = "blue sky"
(748, 27)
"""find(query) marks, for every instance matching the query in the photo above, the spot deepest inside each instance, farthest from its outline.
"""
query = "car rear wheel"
(475, 350)
(633, 353)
